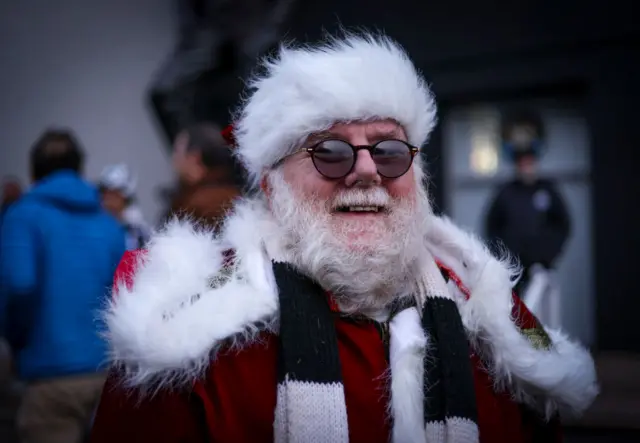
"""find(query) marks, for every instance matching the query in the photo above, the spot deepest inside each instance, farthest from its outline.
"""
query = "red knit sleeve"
(168, 416)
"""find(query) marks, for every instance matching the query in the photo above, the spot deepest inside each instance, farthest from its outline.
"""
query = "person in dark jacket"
(528, 214)
(59, 252)
(209, 178)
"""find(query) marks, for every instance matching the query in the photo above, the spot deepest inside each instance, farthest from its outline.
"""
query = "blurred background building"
(128, 76)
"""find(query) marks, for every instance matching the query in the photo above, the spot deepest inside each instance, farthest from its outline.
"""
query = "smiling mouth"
(360, 209)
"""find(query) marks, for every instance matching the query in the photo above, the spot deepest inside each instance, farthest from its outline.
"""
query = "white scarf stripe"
(316, 412)
(311, 413)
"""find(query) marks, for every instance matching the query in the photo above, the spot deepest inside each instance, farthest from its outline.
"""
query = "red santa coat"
(235, 398)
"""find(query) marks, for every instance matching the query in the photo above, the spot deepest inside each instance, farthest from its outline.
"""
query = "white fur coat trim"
(161, 332)
(562, 378)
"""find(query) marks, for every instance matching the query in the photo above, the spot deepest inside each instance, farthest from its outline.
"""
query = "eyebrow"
(376, 135)
(385, 134)
(317, 137)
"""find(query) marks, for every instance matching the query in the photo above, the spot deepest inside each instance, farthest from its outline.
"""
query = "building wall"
(86, 65)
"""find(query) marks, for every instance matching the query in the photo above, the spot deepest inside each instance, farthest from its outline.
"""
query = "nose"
(365, 171)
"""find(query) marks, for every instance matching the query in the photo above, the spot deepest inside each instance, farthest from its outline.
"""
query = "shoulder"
(551, 186)
(540, 365)
(109, 229)
(108, 221)
(546, 182)
(175, 304)
(505, 188)
(24, 210)
(23, 217)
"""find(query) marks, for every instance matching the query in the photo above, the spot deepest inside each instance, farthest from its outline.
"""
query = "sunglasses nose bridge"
(364, 166)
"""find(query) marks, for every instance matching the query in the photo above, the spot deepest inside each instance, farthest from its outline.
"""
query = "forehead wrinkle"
(384, 134)
(372, 132)
(318, 137)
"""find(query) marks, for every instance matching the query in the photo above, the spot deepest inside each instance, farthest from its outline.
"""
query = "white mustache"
(360, 197)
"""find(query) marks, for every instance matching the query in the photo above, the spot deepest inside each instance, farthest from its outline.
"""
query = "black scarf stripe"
(308, 341)
(434, 401)
(454, 358)
(309, 346)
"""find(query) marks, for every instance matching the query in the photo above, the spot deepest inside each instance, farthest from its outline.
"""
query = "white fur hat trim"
(308, 89)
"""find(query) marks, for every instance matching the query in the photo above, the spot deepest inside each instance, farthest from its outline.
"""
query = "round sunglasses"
(336, 158)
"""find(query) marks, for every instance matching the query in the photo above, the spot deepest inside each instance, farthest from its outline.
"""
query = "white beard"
(364, 267)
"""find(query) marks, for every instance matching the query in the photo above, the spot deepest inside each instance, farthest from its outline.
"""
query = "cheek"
(402, 187)
(318, 188)
(107, 202)
(179, 163)
(306, 181)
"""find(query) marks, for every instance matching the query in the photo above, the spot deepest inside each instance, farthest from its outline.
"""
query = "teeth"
(363, 209)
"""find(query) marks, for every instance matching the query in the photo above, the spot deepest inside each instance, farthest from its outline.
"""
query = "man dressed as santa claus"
(334, 306)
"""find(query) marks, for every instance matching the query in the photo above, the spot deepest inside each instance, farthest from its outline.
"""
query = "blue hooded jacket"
(58, 253)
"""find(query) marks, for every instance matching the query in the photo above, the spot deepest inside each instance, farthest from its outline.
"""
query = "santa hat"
(306, 89)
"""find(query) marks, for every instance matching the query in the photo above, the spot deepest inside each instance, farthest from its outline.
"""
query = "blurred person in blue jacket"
(58, 253)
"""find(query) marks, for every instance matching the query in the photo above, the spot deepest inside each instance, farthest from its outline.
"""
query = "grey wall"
(86, 65)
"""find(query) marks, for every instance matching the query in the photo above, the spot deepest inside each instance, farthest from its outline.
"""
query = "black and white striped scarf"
(310, 403)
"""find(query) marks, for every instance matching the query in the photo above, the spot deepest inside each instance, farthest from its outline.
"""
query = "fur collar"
(165, 326)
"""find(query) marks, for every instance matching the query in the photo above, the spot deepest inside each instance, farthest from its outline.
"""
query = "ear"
(180, 142)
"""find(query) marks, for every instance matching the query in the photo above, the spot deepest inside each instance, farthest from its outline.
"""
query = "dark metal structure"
(219, 43)
(469, 51)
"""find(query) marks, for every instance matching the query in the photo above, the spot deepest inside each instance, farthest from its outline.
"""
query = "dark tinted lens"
(333, 158)
(392, 157)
